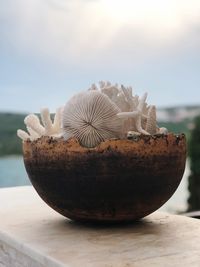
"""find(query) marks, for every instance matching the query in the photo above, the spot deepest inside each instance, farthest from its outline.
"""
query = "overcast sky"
(51, 49)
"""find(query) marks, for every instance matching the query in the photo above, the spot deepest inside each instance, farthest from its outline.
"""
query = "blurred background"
(51, 49)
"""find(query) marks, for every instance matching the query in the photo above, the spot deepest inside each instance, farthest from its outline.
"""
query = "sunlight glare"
(154, 13)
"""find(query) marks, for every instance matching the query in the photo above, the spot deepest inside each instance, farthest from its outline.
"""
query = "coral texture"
(91, 117)
(47, 128)
(102, 112)
(137, 116)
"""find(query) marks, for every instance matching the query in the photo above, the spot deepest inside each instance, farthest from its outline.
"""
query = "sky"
(52, 49)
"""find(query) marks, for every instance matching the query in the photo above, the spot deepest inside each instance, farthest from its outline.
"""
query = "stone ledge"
(33, 235)
(9, 256)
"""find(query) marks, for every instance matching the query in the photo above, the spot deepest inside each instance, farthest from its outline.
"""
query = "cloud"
(82, 32)
(48, 46)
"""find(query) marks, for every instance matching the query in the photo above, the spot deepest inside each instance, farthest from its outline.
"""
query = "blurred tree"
(194, 178)
(9, 142)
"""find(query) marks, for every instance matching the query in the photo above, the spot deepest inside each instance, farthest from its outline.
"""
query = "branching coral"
(137, 115)
(47, 128)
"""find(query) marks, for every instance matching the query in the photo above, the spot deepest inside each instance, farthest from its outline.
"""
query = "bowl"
(119, 180)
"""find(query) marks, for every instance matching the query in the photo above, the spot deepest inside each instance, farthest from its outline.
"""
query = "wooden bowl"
(120, 180)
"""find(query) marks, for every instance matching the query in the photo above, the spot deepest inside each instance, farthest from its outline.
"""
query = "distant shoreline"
(175, 119)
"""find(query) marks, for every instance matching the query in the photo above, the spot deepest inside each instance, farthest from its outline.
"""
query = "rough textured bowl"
(120, 180)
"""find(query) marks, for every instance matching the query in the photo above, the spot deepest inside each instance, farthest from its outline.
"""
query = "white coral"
(136, 114)
(104, 111)
(151, 124)
(36, 129)
(32, 122)
(91, 117)
(162, 130)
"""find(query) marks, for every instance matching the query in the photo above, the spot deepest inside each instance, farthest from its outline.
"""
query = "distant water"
(13, 173)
